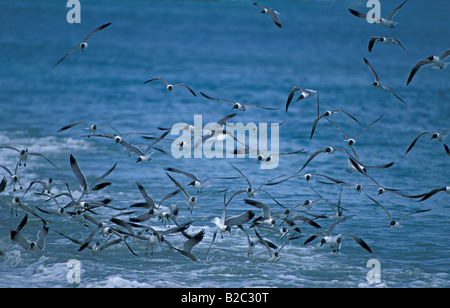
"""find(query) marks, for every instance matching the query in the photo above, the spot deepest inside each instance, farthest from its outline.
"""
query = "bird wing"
(313, 155)
(95, 31)
(65, 56)
(275, 17)
(262, 241)
(3, 184)
(315, 124)
(78, 173)
(147, 198)
(445, 54)
(359, 241)
(432, 193)
(265, 208)
(291, 95)
(415, 140)
(216, 99)
(246, 179)
(384, 87)
(179, 186)
(240, 219)
(415, 212)
(41, 236)
(8, 147)
(194, 240)
(187, 87)
(189, 175)
(372, 41)
(372, 70)
(40, 155)
(391, 16)
(357, 14)
(158, 79)
(376, 202)
(100, 178)
(400, 44)
(416, 67)
(368, 126)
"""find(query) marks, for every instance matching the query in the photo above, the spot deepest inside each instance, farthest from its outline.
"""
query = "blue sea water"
(227, 50)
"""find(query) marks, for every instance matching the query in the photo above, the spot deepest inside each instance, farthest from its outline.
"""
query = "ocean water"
(227, 50)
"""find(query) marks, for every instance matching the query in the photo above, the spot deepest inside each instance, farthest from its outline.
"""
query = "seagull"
(47, 185)
(250, 191)
(273, 14)
(437, 61)
(143, 156)
(268, 158)
(237, 106)
(224, 225)
(23, 155)
(435, 191)
(383, 21)
(170, 87)
(381, 190)
(196, 182)
(161, 211)
(189, 244)
(377, 82)
(91, 127)
(266, 217)
(97, 247)
(273, 256)
(95, 185)
(307, 176)
(14, 177)
(191, 200)
(395, 223)
(329, 150)
(352, 141)
(19, 237)
(305, 94)
(118, 138)
(327, 114)
(83, 45)
(337, 212)
(384, 40)
(439, 136)
(16, 204)
(335, 242)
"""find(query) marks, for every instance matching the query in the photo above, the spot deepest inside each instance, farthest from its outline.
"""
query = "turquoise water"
(227, 50)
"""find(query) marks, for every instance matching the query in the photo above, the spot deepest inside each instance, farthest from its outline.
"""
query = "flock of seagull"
(150, 224)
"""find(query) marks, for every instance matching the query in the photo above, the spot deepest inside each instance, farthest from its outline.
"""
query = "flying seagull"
(439, 136)
(437, 61)
(196, 182)
(237, 106)
(23, 155)
(327, 114)
(169, 86)
(396, 223)
(383, 21)
(377, 82)
(384, 40)
(83, 45)
(305, 94)
(273, 14)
